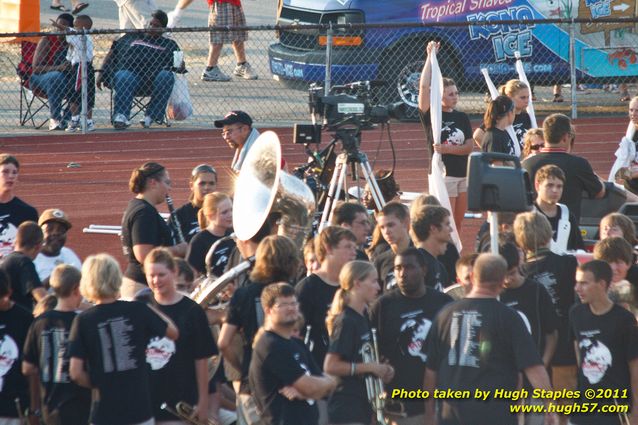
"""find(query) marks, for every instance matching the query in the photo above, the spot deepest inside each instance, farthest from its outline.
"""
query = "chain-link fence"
(590, 65)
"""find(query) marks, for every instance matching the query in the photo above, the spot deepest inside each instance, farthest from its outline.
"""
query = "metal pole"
(493, 232)
(328, 77)
(572, 66)
(85, 85)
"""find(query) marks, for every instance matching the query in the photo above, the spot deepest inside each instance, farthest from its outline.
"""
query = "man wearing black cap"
(237, 131)
(54, 224)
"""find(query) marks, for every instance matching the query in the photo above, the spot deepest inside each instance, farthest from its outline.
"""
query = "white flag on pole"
(494, 94)
(523, 77)
(436, 180)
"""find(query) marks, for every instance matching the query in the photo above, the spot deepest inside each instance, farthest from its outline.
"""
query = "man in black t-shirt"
(13, 210)
(15, 322)
(25, 282)
(284, 378)
(46, 353)
(549, 183)
(403, 318)
(432, 232)
(606, 341)
(334, 247)
(479, 343)
(354, 216)
(394, 224)
(559, 136)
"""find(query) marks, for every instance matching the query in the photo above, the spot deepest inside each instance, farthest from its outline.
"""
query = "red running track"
(96, 191)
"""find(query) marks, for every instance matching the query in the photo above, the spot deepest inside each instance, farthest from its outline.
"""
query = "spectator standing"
(203, 181)
(134, 13)
(26, 285)
(431, 232)
(13, 210)
(393, 221)
(54, 224)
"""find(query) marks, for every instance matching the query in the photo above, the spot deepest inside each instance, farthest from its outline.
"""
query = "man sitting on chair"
(140, 64)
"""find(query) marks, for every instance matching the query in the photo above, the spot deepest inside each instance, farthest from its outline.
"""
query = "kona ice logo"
(506, 39)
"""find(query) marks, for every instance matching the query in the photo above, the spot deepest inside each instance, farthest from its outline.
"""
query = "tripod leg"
(327, 208)
(377, 196)
(341, 182)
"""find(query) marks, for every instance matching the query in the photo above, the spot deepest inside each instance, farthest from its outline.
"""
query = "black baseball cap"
(235, 117)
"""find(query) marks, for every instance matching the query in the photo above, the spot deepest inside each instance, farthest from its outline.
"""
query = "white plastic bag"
(179, 104)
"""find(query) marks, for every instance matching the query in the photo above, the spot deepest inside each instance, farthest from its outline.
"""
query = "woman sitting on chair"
(140, 64)
(51, 72)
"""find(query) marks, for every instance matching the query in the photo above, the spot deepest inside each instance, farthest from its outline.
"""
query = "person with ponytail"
(349, 331)
(143, 228)
(518, 91)
(498, 116)
(456, 136)
(216, 221)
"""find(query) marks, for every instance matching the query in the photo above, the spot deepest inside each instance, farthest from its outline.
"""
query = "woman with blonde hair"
(519, 92)
(216, 221)
(349, 330)
(108, 346)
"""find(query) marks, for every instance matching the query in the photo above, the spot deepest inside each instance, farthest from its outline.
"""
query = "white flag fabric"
(436, 180)
(494, 94)
(523, 77)
(625, 153)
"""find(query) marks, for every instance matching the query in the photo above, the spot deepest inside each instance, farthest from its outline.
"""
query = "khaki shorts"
(455, 185)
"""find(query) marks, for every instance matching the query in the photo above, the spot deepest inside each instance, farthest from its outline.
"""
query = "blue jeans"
(57, 86)
(126, 85)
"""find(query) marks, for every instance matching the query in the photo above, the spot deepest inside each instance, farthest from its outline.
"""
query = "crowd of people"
(304, 334)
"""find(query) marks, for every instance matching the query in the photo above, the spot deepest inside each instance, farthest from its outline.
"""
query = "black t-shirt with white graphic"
(436, 277)
(575, 240)
(403, 324)
(246, 313)
(172, 363)
(384, 264)
(522, 123)
(187, 216)
(14, 325)
(532, 301)
(606, 345)
(579, 176)
(497, 140)
(315, 297)
(47, 347)
(12, 214)
(199, 247)
(349, 402)
(557, 273)
(111, 339)
(142, 225)
(23, 277)
(479, 343)
(279, 362)
(455, 130)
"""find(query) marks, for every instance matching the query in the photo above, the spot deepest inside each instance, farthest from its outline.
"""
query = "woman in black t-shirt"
(518, 91)
(203, 181)
(498, 116)
(456, 137)
(142, 227)
(216, 220)
(349, 331)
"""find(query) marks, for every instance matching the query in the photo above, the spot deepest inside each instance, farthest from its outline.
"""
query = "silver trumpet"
(176, 224)
(374, 384)
(184, 411)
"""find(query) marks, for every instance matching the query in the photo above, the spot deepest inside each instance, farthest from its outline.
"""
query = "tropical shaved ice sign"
(595, 9)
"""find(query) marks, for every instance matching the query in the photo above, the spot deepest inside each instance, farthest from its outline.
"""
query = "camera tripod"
(357, 160)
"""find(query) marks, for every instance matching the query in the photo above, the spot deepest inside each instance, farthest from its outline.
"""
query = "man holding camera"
(238, 133)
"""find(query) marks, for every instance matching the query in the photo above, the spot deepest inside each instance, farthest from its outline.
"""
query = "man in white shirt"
(55, 224)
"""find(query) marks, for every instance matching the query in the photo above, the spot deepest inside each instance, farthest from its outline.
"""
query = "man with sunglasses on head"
(559, 136)
(238, 133)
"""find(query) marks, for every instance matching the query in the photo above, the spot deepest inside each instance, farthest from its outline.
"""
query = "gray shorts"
(226, 15)
(455, 185)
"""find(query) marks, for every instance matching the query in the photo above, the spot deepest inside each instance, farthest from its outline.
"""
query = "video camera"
(349, 105)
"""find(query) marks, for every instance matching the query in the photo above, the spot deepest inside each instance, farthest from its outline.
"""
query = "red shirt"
(233, 2)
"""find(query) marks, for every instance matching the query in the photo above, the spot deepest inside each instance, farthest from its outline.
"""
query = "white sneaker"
(74, 125)
(120, 122)
(54, 124)
(214, 74)
(245, 71)
(90, 125)
(146, 122)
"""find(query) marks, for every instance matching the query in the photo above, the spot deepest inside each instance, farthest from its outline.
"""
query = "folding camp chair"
(32, 101)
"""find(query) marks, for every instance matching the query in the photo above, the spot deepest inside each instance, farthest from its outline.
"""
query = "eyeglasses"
(203, 168)
(231, 130)
(536, 147)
